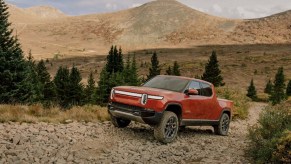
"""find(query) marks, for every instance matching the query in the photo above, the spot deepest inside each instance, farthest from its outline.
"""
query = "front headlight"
(112, 93)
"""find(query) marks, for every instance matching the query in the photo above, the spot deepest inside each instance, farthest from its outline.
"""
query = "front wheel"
(166, 131)
(223, 126)
(119, 122)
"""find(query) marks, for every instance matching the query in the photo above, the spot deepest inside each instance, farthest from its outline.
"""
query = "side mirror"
(192, 92)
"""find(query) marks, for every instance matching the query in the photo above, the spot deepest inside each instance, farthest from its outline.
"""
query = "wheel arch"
(175, 108)
(227, 111)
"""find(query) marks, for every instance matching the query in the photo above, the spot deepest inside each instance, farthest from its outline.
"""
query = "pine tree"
(288, 90)
(115, 60)
(212, 72)
(155, 67)
(47, 86)
(62, 83)
(176, 69)
(103, 89)
(127, 71)
(252, 93)
(120, 65)
(110, 61)
(89, 90)
(169, 71)
(76, 87)
(14, 70)
(278, 94)
(133, 73)
(269, 87)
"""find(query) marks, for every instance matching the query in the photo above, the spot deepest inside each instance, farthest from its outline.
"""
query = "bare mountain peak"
(45, 11)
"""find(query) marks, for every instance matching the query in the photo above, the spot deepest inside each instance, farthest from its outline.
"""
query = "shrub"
(241, 102)
(267, 138)
(283, 151)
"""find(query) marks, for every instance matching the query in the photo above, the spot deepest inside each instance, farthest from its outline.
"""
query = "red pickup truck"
(170, 102)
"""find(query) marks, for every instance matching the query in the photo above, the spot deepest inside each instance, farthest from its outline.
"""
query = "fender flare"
(224, 110)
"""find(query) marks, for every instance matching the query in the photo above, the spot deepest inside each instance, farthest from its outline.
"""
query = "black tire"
(223, 126)
(166, 131)
(119, 122)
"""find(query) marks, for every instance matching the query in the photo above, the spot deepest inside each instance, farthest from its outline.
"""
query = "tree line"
(277, 90)
(25, 81)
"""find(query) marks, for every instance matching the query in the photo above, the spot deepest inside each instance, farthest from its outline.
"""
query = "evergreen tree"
(169, 71)
(133, 73)
(114, 60)
(252, 93)
(269, 87)
(89, 90)
(120, 60)
(212, 72)
(14, 70)
(103, 89)
(115, 80)
(155, 67)
(278, 94)
(47, 86)
(32, 85)
(110, 61)
(176, 69)
(127, 71)
(288, 90)
(76, 87)
(62, 83)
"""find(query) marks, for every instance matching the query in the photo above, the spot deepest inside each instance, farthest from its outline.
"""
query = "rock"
(68, 121)
(10, 152)
(70, 158)
(50, 129)
(16, 139)
(186, 148)
(33, 130)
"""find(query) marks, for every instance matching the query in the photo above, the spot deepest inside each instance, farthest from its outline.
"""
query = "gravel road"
(102, 143)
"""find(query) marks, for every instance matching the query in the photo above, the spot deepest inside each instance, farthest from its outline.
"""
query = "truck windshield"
(167, 83)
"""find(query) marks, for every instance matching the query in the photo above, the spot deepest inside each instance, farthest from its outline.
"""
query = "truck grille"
(126, 107)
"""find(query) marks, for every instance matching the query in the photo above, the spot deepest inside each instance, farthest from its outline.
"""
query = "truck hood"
(145, 90)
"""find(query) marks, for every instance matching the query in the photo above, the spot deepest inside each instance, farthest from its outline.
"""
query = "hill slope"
(161, 23)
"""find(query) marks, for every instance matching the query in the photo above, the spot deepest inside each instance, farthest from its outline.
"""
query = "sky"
(245, 9)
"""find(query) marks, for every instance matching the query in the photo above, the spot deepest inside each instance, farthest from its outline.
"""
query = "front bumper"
(134, 113)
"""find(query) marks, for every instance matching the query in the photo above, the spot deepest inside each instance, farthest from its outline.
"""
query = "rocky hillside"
(161, 23)
(103, 143)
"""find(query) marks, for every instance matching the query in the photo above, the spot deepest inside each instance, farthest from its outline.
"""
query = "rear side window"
(195, 85)
(206, 90)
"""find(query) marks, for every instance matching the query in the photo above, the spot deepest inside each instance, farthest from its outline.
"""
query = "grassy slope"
(35, 113)
(238, 63)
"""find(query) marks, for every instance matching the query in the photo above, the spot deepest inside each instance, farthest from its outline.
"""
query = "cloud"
(111, 6)
(223, 8)
(135, 5)
(217, 8)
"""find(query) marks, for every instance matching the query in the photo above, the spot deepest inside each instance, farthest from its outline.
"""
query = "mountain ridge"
(157, 24)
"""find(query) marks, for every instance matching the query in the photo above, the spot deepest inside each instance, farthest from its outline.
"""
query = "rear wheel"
(223, 126)
(119, 122)
(166, 131)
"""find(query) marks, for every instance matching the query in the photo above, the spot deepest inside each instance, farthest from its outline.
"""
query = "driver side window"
(195, 85)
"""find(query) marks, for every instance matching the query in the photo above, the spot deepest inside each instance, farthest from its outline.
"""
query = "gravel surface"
(102, 143)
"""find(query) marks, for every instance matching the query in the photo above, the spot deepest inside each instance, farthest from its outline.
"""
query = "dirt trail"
(102, 143)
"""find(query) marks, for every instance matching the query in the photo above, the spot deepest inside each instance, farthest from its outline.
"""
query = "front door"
(195, 103)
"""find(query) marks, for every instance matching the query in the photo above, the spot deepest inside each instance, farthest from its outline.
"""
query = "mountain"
(162, 23)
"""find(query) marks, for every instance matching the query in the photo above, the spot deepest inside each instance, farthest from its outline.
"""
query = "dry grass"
(241, 102)
(35, 113)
